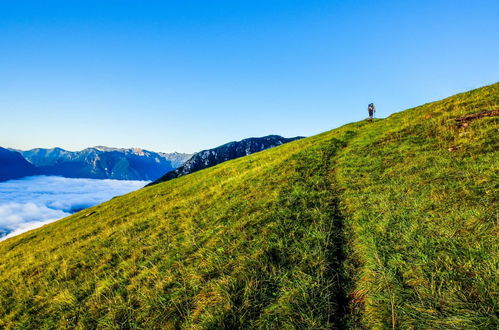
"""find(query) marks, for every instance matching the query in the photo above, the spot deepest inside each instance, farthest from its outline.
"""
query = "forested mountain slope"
(232, 150)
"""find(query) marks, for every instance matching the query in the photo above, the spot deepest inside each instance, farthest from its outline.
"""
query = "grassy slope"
(380, 214)
(423, 219)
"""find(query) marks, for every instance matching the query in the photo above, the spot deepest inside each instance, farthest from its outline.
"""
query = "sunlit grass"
(369, 225)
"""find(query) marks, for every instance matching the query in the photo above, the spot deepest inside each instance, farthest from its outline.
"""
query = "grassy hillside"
(376, 225)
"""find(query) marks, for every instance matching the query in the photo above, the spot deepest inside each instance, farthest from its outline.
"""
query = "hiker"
(371, 109)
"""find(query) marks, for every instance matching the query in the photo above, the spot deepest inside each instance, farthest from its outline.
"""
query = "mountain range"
(127, 164)
(100, 163)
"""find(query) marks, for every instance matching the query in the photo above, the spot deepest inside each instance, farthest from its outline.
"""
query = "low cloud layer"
(31, 202)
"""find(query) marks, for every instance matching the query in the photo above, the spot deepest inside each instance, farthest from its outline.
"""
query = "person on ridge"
(371, 109)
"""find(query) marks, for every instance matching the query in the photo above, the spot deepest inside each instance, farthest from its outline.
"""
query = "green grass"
(371, 225)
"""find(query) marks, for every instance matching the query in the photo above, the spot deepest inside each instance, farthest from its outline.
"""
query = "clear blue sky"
(189, 75)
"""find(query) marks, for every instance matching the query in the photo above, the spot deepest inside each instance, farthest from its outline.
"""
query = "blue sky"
(190, 75)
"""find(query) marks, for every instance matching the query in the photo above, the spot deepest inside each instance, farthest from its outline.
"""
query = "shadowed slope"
(14, 166)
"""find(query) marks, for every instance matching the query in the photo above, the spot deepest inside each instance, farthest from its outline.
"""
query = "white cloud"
(31, 202)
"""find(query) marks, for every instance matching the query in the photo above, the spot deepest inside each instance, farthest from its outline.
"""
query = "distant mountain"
(176, 158)
(228, 151)
(105, 163)
(14, 166)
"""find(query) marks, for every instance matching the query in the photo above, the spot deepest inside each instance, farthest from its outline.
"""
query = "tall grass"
(420, 203)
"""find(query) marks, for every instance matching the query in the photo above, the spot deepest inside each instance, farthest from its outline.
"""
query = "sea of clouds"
(31, 202)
